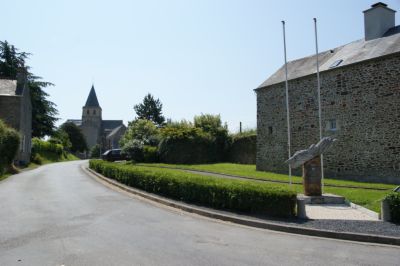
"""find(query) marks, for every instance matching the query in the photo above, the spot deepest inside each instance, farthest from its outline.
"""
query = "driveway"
(57, 215)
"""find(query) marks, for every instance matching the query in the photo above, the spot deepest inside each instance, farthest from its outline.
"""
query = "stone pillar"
(312, 177)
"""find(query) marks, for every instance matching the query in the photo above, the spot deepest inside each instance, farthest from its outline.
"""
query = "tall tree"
(150, 109)
(43, 111)
(78, 142)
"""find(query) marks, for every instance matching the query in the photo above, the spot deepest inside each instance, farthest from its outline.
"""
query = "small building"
(16, 112)
(360, 103)
(106, 133)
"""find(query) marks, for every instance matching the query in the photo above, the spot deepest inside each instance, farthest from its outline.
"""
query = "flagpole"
(319, 102)
(287, 101)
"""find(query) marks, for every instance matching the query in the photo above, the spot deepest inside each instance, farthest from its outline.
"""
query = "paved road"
(57, 215)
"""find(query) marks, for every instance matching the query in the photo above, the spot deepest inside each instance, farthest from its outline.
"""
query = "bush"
(243, 149)
(9, 145)
(95, 151)
(394, 206)
(41, 146)
(186, 145)
(242, 196)
(142, 130)
(134, 150)
(36, 158)
(150, 154)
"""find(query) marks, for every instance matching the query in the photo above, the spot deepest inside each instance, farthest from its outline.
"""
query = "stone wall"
(364, 101)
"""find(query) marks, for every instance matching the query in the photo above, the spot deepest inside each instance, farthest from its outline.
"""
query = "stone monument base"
(324, 199)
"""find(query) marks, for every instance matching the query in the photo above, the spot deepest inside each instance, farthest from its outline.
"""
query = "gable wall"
(364, 99)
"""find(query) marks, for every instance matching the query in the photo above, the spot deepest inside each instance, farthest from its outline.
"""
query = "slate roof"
(92, 99)
(351, 53)
(8, 87)
(77, 122)
(115, 131)
(111, 124)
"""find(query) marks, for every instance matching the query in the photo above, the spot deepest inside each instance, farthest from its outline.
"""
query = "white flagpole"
(287, 102)
(319, 103)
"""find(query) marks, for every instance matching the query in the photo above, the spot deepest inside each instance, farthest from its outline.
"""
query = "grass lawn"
(367, 198)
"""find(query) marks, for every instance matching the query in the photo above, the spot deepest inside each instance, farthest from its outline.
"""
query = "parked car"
(113, 155)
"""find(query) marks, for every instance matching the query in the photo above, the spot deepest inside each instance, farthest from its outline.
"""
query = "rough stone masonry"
(362, 100)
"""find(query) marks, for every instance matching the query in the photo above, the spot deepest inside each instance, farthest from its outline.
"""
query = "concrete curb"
(370, 213)
(246, 221)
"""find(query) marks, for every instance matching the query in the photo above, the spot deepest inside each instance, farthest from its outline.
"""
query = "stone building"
(360, 100)
(16, 112)
(107, 133)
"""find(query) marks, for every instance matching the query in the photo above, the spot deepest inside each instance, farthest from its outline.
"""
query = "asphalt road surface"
(58, 215)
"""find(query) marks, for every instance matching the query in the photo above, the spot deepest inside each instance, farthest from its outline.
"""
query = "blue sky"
(203, 56)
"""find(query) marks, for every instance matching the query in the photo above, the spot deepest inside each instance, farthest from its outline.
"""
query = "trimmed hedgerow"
(242, 196)
(394, 206)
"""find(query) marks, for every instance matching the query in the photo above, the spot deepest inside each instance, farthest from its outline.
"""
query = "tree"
(150, 109)
(43, 111)
(142, 130)
(75, 135)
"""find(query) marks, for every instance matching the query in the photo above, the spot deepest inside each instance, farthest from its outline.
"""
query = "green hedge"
(41, 146)
(394, 206)
(242, 196)
(243, 149)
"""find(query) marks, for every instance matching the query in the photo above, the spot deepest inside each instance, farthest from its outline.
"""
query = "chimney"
(378, 20)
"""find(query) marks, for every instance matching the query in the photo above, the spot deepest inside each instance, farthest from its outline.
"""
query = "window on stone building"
(270, 130)
(94, 112)
(332, 125)
(87, 112)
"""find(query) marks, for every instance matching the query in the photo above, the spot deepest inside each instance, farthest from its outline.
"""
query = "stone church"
(360, 100)
(106, 133)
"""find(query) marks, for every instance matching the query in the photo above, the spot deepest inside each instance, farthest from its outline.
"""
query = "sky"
(196, 56)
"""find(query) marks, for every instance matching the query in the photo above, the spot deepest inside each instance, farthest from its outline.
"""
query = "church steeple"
(92, 99)
(91, 112)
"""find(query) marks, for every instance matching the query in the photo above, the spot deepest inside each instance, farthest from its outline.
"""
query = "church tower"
(91, 119)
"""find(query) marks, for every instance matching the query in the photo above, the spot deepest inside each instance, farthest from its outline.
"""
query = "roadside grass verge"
(218, 193)
(367, 198)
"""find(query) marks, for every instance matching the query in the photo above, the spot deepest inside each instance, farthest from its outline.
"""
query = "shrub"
(394, 206)
(9, 145)
(150, 154)
(243, 149)
(142, 130)
(95, 151)
(134, 150)
(36, 158)
(242, 196)
(41, 146)
(186, 145)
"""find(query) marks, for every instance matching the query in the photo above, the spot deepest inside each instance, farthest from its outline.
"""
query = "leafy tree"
(75, 135)
(43, 111)
(209, 123)
(150, 109)
(142, 130)
(61, 137)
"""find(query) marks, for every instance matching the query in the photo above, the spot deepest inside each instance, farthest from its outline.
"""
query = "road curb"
(248, 222)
